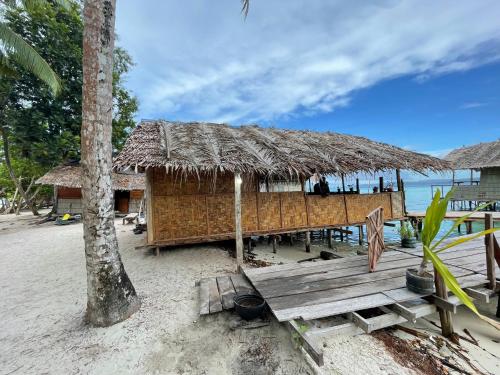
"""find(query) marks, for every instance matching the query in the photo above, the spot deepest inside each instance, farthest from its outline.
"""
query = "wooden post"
(468, 226)
(343, 183)
(490, 252)
(444, 315)
(361, 235)
(308, 242)
(357, 185)
(275, 243)
(237, 219)
(398, 179)
(329, 238)
(381, 184)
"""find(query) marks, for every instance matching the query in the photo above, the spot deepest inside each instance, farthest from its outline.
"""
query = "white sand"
(43, 297)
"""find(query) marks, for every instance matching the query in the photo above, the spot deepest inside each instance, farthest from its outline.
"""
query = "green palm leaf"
(30, 5)
(20, 51)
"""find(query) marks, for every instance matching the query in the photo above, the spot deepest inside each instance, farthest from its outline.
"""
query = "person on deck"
(323, 187)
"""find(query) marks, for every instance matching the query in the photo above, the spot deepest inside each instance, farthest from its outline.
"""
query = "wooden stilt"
(291, 239)
(308, 242)
(468, 226)
(157, 251)
(361, 234)
(490, 252)
(343, 183)
(249, 245)
(444, 315)
(237, 218)
(275, 244)
(357, 186)
(329, 238)
(398, 179)
(381, 184)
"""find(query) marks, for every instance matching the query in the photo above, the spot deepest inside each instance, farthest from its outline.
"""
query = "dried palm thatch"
(71, 176)
(482, 155)
(199, 148)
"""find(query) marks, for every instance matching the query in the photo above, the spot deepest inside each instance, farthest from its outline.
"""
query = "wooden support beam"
(360, 235)
(398, 180)
(308, 242)
(479, 293)
(237, 218)
(490, 252)
(444, 304)
(404, 312)
(357, 186)
(307, 342)
(381, 184)
(444, 315)
(275, 243)
(343, 183)
(468, 227)
(389, 224)
(157, 251)
(359, 321)
(329, 238)
(342, 230)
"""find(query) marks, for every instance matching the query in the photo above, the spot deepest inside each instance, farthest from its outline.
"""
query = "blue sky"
(420, 74)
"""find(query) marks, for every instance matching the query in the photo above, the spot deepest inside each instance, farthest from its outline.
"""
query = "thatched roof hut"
(482, 155)
(71, 176)
(196, 148)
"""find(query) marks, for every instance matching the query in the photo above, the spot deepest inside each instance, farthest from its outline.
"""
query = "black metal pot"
(419, 284)
(409, 243)
(249, 306)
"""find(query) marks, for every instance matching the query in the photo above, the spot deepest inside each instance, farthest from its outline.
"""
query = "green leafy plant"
(434, 217)
(406, 231)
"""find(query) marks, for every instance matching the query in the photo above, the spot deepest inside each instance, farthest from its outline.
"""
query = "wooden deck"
(453, 215)
(322, 289)
(217, 293)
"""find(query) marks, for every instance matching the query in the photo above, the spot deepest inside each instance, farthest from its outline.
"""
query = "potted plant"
(421, 280)
(407, 235)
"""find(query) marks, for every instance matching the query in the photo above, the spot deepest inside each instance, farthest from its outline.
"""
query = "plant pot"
(419, 284)
(409, 243)
(249, 306)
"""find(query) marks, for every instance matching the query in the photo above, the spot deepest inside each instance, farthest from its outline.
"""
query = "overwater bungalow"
(200, 177)
(482, 157)
(67, 181)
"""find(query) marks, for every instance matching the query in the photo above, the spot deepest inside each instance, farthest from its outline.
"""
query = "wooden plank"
(332, 280)
(213, 291)
(322, 310)
(444, 304)
(307, 343)
(241, 284)
(226, 291)
(204, 297)
(490, 252)
(480, 293)
(359, 321)
(405, 312)
(384, 320)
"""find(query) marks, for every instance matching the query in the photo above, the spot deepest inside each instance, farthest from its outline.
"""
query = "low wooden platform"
(217, 293)
(453, 215)
(343, 288)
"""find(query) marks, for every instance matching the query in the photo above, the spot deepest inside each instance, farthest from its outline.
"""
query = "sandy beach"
(43, 293)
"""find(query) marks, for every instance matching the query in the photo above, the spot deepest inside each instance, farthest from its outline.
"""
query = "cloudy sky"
(419, 74)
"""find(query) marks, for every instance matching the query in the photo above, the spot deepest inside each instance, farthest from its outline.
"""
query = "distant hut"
(483, 157)
(194, 173)
(67, 181)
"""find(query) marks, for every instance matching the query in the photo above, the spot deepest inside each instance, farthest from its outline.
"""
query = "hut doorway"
(122, 199)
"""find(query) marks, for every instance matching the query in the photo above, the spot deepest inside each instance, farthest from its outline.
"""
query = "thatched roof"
(482, 155)
(206, 148)
(71, 176)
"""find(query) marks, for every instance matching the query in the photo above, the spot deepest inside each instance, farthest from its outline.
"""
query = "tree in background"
(111, 297)
(41, 128)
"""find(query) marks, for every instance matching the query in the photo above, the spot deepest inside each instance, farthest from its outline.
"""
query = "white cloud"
(472, 105)
(200, 60)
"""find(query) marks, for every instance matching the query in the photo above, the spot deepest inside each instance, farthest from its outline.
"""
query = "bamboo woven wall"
(199, 211)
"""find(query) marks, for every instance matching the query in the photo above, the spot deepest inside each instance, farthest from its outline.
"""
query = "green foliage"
(42, 129)
(434, 217)
(406, 231)
(16, 48)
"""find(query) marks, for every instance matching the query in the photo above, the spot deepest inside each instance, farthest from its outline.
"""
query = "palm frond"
(18, 50)
(31, 5)
(245, 7)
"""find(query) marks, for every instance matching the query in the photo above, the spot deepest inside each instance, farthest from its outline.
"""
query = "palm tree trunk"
(17, 182)
(111, 295)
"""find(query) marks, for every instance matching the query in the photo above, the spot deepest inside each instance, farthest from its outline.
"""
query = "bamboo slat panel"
(66, 192)
(136, 194)
(269, 211)
(397, 204)
(360, 205)
(178, 217)
(249, 221)
(220, 208)
(293, 210)
(327, 211)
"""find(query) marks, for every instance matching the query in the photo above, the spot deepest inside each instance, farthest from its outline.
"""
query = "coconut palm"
(16, 50)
